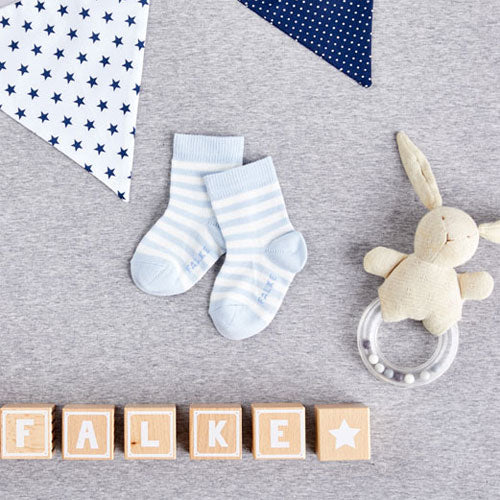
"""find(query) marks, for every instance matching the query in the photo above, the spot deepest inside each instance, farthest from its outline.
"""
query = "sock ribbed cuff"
(241, 179)
(207, 149)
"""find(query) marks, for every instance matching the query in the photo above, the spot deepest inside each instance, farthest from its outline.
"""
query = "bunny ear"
(419, 172)
(490, 231)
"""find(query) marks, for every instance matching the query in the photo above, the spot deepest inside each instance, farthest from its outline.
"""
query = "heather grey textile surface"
(74, 328)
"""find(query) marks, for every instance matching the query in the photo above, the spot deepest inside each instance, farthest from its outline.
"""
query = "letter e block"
(150, 432)
(342, 432)
(27, 431)
(215, 432)
(279, 431)
(88, 432)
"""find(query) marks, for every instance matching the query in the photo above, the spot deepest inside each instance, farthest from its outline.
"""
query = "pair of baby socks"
(218, 206)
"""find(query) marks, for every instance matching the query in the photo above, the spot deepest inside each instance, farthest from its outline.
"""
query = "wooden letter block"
(150, 432)
(88, 432)
(343, 432)
(215, 432)
(279, 431)
(27, 431)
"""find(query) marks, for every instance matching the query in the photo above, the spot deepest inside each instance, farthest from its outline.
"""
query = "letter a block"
(343, 432)
(27, 431)
(150, 432)
(88, 432)
(279, 431)
(215, 432)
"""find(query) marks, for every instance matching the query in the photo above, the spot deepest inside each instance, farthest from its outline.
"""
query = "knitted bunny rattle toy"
(424, 286)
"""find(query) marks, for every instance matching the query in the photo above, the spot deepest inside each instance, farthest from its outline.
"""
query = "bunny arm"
(475, 286)
(381, 261)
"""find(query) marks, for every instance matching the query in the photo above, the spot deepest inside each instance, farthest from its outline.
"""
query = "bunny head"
(424, 285)
(445, 236)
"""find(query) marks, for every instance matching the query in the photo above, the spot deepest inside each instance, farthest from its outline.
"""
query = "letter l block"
(150, 432)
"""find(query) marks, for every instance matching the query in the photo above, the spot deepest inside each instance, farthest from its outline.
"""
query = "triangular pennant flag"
(339, 31)
(70, 71)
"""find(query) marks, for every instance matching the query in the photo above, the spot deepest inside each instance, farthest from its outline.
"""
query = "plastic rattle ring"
(379, 366)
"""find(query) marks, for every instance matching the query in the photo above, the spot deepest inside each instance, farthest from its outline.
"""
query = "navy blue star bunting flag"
(339, 31)
(70, 71)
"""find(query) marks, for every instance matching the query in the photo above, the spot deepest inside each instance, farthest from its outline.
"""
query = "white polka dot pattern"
(339, 31)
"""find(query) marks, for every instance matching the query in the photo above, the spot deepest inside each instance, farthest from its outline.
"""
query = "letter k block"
(215, 432)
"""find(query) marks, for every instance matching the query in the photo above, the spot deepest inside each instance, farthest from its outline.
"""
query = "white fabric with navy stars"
(71, 71)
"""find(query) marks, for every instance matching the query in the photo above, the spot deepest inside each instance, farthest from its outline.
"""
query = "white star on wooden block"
(344, 435)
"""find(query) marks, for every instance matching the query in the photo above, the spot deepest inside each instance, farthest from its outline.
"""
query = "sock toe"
(236, 321)
(155, 276)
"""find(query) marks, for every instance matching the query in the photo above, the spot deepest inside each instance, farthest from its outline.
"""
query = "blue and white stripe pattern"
(186, 241)
(264, 252)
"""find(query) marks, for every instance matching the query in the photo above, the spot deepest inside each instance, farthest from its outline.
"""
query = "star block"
(150, 432)
(342, 432)
(88, 432)
(279, 431)
(27, 431)
(215, 432)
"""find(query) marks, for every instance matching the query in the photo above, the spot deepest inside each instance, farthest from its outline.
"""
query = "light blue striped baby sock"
(186, 241)
(264, 252)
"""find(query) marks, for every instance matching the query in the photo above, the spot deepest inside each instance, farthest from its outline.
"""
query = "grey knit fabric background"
(74, 328)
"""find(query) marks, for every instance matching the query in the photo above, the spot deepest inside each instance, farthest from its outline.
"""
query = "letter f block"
(27, 431)
(215, 432)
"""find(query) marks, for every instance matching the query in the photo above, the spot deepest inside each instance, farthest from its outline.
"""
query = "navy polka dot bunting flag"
(339, 31)
(70, 71)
